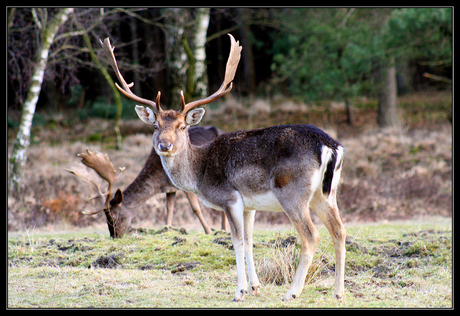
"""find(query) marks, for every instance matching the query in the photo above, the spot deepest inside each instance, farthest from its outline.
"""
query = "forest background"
(378, 79)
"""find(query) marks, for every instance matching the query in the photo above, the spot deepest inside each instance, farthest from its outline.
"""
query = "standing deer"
(152, 179)
(285, 168)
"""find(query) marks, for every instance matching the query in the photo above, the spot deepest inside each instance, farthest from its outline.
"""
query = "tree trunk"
(135, 52)
(199, 52)
(350, 112)
(388, 92)
(249, 69)
(176, 55)
(186, 53)
(197, 79)
(19, 154)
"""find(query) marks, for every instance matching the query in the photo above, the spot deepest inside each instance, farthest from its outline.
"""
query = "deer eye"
(155, 126)
(182, 128)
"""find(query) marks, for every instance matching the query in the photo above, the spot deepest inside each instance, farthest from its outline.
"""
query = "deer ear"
(194, 116)
(118, 198)
(145, 114)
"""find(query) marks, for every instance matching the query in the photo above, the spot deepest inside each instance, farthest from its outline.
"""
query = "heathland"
(395, 200)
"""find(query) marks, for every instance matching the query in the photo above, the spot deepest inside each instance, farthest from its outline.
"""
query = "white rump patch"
(337, 172)
(339, 156)
(318, 176)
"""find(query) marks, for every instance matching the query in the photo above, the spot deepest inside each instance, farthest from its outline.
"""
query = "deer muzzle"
(165, 146)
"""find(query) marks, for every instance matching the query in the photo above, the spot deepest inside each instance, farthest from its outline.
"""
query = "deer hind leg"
(197, 210)
(327, 210)
(309, 237)
(254, 284)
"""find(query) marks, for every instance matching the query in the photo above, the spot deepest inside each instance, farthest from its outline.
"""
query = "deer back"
(257, 161)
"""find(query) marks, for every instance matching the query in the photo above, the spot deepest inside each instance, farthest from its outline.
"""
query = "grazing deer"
(286, 168)
(152, 179)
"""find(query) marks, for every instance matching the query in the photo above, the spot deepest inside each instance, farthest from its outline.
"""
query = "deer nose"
(165, 146)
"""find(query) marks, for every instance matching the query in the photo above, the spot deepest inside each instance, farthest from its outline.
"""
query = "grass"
(397, 264)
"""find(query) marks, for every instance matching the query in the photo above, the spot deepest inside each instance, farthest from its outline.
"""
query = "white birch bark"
(19, 154)
(201, 77)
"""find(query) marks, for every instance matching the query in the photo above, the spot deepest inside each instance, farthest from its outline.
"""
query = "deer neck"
(139, 191)
(150, 180)
(183, 167)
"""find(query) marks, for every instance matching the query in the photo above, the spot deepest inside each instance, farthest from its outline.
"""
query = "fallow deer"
(284, 168)
(152, 179)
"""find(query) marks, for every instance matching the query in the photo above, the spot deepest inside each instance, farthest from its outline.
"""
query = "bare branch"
(137, 16)
(36, 19)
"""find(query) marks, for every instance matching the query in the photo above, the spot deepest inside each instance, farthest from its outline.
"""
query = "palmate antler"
(104, 168)
(226, 87)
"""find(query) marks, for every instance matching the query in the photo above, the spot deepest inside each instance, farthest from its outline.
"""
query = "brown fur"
(280, 168)
(152, 180)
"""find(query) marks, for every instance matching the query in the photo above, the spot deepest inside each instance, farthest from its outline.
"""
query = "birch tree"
(199, 52)
(47, 31)
(186, 34)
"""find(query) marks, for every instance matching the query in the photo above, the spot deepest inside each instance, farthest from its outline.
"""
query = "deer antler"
(232, 65)
(104, 168)
(226, 87)
(108, 50)
(100, 163)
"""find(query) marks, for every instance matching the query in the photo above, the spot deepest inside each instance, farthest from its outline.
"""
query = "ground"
(395, 199)
(394, 264)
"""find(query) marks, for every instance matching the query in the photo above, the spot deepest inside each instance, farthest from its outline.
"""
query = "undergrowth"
(405, 264)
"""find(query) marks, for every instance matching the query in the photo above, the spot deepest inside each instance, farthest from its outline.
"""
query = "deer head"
(104, 168)
(170, 125)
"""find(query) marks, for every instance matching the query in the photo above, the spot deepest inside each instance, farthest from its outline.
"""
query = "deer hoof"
(239, 295)
(289, 297)
(255, 290)
(338, 297)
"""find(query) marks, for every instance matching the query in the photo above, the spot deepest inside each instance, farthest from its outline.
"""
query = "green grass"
(398, 264)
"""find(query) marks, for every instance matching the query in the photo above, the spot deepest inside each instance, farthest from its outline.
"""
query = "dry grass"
(279, 265)
(53, 195)
(387, 174)
(397, 174)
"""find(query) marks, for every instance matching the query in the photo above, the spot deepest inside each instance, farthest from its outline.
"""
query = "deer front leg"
(254, 284)
(170, 207)
(235, 217)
